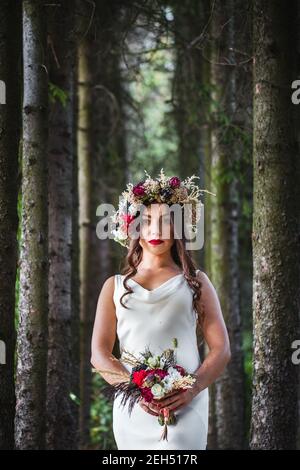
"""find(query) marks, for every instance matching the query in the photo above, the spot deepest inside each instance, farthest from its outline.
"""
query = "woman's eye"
(166, 220)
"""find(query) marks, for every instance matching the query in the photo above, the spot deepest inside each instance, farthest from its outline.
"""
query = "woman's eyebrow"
(149, 215)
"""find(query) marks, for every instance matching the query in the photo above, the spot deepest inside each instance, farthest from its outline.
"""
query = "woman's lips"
(156, 242)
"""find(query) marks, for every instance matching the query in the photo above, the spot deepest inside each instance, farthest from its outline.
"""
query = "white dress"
(156, 317)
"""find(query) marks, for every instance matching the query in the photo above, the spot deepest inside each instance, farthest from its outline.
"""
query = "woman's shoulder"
(114, 281)
(108, 285)
(207, 288)
(203, 277)
(200, 273)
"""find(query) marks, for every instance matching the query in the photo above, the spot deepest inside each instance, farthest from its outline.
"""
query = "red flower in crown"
(174, 182)
(139, 190)
(127, 218)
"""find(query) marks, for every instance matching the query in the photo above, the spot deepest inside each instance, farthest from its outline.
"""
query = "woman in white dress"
(160, 296)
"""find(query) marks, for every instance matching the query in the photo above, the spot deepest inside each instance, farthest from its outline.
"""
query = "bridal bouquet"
(152, 377)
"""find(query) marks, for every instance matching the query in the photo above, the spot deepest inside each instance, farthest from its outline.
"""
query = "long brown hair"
(181, 256)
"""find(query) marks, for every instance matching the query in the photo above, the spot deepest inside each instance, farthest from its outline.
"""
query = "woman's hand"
(177, 400)
(149, 407)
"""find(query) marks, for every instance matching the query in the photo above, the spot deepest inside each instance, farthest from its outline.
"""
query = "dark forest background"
(96, 91)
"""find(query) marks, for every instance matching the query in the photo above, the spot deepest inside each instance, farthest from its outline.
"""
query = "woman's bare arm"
(215, 335)
(104, 335)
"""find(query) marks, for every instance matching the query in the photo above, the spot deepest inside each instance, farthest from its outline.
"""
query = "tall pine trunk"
(229, 388)
(190, 86)
(61, 422)
(102, 170)
(10, 48)
(85, 235)
(275, 223)
(108, 136)
(297, 130)
(109, 164)
(32, 332)
(75, 297)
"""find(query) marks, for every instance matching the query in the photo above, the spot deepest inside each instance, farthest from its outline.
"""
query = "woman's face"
(156, 231)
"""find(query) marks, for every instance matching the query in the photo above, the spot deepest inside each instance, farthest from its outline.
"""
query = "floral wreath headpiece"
(169, 190)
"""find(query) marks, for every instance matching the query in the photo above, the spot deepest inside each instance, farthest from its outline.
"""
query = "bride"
(160, 295)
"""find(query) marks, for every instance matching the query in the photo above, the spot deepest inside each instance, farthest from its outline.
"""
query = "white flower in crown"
(164, 189)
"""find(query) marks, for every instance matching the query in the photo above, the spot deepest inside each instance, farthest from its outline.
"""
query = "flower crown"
(169, 190)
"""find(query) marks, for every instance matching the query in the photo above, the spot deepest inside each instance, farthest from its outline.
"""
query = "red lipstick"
(155, 242)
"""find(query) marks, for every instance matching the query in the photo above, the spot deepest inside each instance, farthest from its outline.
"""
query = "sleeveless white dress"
(153, 319)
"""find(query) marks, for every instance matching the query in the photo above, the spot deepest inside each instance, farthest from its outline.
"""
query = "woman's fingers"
(170, 394)
(176, 405)
(154, 404)
(167, 401)
(164, 400)
(173, 401)
(151, 412)
(147, 408)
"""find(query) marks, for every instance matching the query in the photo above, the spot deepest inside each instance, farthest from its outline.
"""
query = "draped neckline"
(161, 286)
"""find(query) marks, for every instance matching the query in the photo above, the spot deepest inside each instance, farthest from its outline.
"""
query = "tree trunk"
(108, 137)
(85, 190)
(229, 388)
(188, 86)
(61, 425)
(75, 287)
(10, 107)
(191, 80)
(32, 332)
(275, 237)
(296, 118)
(212, 430)
(296, 109)
(102, 170)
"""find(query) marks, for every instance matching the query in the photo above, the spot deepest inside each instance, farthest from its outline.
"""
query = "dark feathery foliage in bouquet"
(152, 377)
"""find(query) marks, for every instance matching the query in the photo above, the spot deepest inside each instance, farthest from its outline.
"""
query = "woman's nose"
(155, 229)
